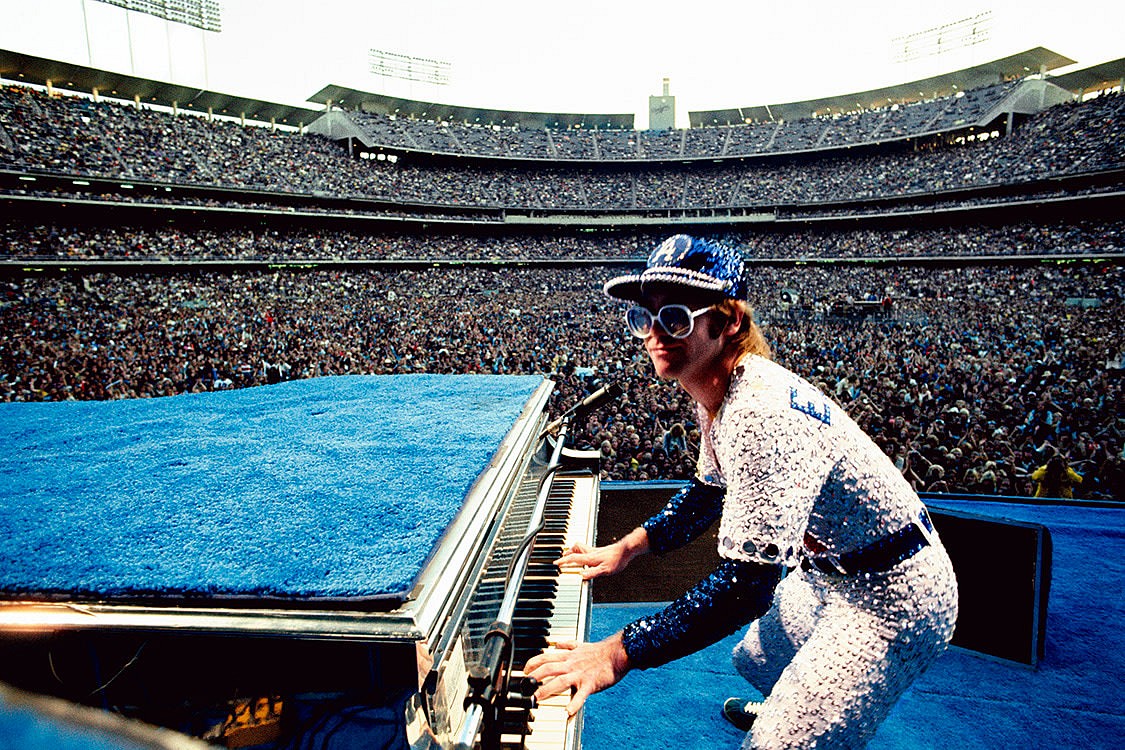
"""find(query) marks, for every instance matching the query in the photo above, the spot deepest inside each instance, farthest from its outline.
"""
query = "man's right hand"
(607, 560)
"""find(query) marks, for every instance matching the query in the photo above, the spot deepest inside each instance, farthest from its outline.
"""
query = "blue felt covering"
(965, 701)
(330, 487)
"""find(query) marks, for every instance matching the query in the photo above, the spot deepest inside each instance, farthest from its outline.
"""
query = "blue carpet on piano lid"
(965, 701)
(334, 487)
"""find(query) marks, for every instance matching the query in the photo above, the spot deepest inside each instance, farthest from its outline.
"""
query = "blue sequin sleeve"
(685, 517)
(736, 593)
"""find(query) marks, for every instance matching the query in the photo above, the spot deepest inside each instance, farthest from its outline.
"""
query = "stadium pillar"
(50, 87)
(242, 118)
(137, 100)
(175, 108)
(95, 92)
(210, 115)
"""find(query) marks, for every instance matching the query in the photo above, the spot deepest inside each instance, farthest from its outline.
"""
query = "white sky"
(593, 56)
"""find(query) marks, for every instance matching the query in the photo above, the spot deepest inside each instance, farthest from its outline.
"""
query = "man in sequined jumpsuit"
(826, 550)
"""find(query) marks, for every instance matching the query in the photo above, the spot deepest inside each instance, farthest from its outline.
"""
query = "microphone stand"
(594, 401)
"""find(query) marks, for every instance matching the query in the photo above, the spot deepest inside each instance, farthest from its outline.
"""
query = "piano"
(435, 669)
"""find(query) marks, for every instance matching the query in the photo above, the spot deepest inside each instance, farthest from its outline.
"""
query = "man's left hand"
(582, 668)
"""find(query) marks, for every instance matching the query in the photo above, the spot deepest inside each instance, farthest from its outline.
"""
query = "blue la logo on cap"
(670, 250)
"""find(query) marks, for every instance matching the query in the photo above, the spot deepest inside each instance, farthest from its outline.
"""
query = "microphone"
(594, 401)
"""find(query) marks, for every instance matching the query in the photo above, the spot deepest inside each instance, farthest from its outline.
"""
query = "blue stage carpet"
(325, 488)
(965, 702)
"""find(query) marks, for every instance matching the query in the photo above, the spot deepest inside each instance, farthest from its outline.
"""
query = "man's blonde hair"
(749, 339)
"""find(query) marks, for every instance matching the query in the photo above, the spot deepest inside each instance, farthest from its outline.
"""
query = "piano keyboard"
(554, 604)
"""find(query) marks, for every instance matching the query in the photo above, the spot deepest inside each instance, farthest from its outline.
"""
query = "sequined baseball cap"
(685, 261)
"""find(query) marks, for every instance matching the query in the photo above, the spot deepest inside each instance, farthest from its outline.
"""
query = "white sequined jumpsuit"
(836, 649)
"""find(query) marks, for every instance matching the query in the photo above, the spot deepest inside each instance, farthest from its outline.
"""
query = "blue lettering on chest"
(807, 406)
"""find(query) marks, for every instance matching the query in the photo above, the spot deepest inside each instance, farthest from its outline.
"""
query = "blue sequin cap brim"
(684, 261)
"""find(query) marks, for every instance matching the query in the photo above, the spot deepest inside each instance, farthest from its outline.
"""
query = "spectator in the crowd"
(1055, 478)
(674, 440)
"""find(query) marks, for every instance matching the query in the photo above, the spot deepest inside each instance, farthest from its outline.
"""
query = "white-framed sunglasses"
(677, 320)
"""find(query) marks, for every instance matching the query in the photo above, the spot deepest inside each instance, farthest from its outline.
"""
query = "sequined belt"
(880, 555)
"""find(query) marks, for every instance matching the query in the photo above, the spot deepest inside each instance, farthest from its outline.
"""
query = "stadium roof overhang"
(26, 68)
(1095, 78)
(16, 66)
(1037, 60)
(354, 99)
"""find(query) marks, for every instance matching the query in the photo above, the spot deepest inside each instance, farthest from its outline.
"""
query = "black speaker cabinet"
(1003, 569)
(1003, 577)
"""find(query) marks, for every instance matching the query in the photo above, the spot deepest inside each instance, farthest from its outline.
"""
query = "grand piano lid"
(346, 506)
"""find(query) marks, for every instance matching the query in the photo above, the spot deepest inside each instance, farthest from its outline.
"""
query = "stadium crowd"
(72, 135)
(553, 143)
(970, 379)
(51, 242)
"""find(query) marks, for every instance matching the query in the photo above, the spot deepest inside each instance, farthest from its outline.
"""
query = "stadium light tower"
(939, 40)
(203, 14)
(408, 67)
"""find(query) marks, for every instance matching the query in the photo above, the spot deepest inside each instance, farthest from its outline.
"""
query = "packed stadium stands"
(76, 136)
(979, 372)
(932, 116)
(277, 244)
(988, 338)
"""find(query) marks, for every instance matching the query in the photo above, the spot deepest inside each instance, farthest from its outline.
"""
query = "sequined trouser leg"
(833, 655)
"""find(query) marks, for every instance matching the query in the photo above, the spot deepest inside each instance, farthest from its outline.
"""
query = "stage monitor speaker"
(649, 578)
(1003, 570)
(1003, 579)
